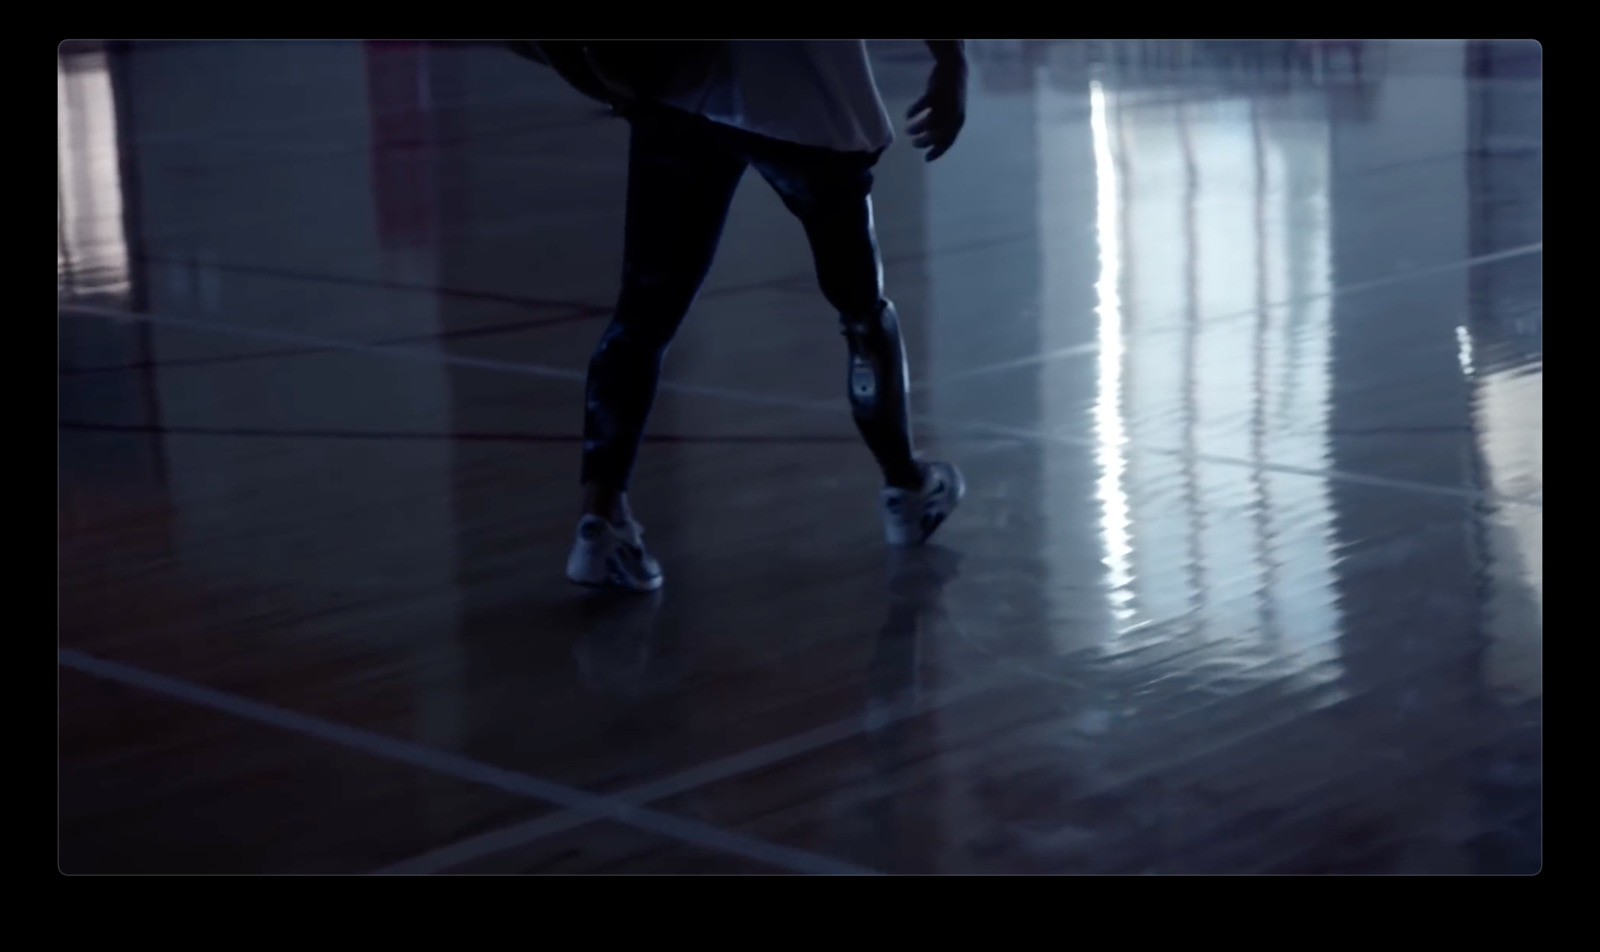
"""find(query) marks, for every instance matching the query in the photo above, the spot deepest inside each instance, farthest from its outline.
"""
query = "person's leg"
(681, 179)
(831, 194)
(680, 184)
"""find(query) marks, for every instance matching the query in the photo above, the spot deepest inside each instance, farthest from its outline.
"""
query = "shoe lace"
(632, 533)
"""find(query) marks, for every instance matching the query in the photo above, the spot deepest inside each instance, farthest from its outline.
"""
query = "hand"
(938, 116)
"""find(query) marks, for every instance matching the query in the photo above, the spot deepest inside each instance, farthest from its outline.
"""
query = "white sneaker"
(612, 555)
(910, 517)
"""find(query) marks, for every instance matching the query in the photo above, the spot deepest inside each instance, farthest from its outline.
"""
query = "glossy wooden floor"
(1239, 346)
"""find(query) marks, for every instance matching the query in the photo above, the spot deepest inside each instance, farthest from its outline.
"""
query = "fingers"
(935, 146)
(928, 133)
(932, 128)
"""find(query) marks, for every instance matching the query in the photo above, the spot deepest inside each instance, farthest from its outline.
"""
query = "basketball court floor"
(1240, 347)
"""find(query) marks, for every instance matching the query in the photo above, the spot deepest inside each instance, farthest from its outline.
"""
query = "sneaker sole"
(613, 577)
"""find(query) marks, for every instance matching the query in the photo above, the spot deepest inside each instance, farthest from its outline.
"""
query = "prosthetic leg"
(919, 496)
(880, 398)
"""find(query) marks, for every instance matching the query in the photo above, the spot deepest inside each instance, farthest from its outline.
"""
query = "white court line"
(591, 806)
(1080, 350)
(406, 352)
(765, 755)
(486, 844)
(499, 840)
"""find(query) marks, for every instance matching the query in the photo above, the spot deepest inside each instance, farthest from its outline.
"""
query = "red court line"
(463, 333)
(312, 277)
(463, 437)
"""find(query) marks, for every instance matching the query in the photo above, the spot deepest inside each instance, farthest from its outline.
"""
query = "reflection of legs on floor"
(620, 655)
(917, 577)
(631, 658)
